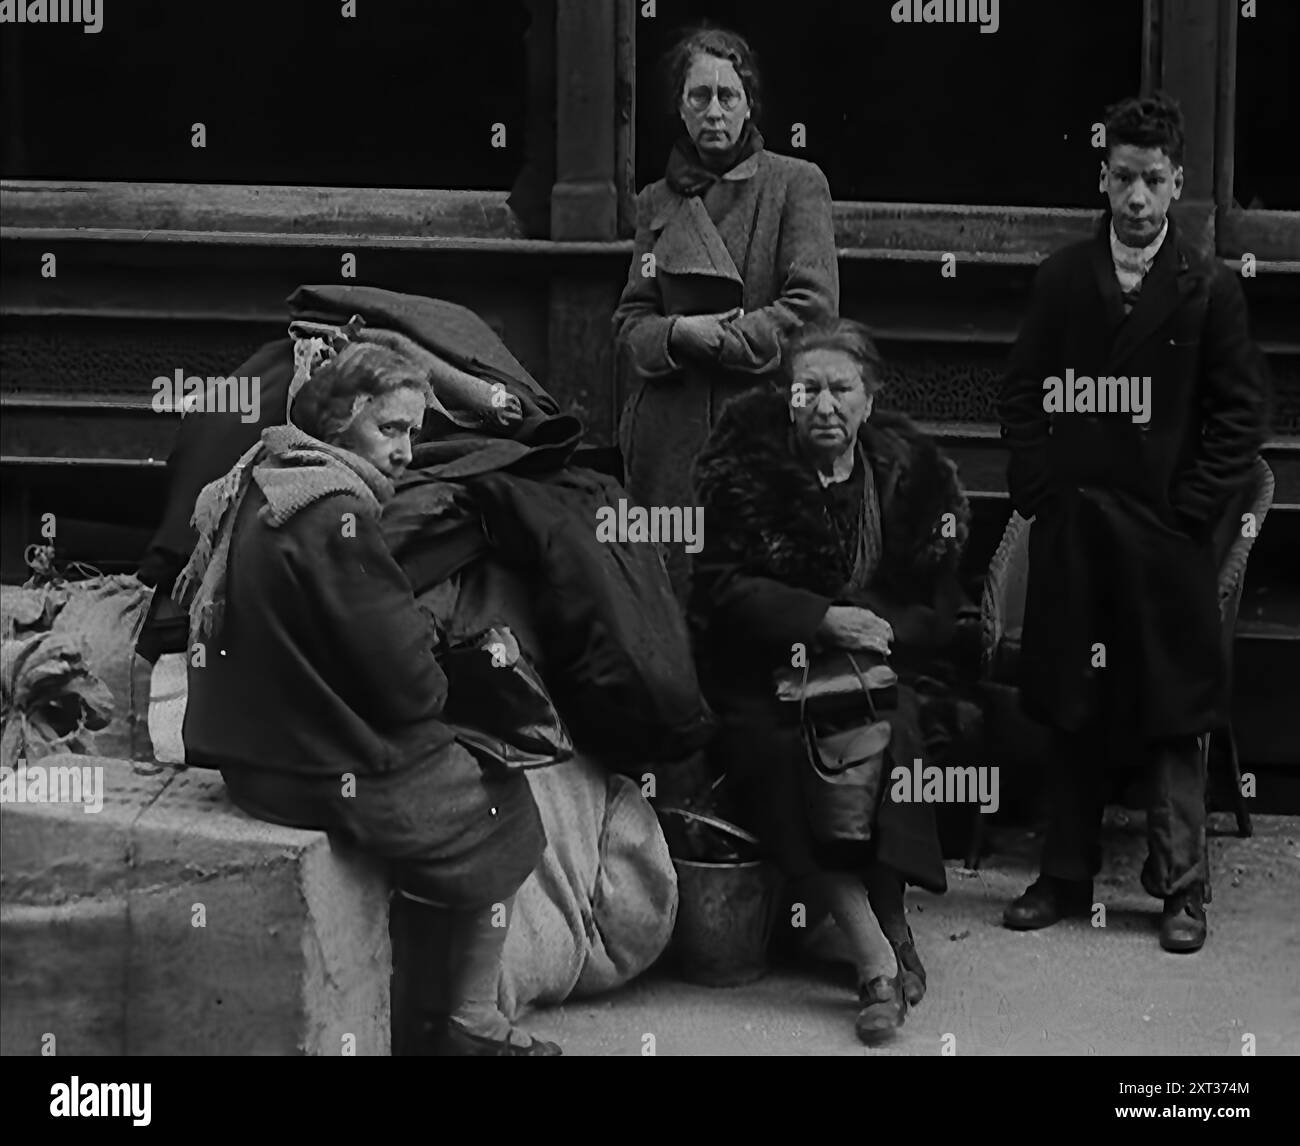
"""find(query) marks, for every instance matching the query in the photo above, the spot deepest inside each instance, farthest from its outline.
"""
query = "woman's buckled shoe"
(884, 1008)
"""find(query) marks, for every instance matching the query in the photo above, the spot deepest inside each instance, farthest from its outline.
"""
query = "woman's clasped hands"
(701, 335)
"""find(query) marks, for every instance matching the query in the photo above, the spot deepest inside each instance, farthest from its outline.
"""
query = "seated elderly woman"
(318, 695)
(827, 527)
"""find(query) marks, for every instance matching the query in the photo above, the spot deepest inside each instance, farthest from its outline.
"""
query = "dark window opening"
(929, 113)
(403, 95)
(1267, 166)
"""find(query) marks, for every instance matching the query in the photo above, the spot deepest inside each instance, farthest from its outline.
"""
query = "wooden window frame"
(1273, 237)
(594, 192)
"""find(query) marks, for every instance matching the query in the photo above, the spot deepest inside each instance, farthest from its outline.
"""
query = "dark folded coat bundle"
(612, 645)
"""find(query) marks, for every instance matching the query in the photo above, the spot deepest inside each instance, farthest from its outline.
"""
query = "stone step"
(170, 923)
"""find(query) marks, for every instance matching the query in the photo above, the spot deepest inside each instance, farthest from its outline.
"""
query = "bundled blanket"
(100, 617)
(600, 906)
(50, 701)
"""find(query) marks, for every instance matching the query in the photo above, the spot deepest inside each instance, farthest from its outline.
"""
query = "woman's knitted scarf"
(687, 174)
(293, 470)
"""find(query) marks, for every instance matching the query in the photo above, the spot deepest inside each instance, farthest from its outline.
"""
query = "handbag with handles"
(498, 706)
(846, 760)
(832, 685)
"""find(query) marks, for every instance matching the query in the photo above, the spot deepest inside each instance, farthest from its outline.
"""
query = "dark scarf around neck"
(687, 173)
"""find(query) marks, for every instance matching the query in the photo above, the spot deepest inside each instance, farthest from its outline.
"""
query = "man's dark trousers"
(1175, 774)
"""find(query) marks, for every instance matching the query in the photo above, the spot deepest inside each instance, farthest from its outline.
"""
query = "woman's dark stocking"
(885, 891)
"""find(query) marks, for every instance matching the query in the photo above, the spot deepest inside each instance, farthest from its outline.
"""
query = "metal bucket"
(725, 915)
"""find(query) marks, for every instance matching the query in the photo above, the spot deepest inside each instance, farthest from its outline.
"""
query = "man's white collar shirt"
(1132, 263)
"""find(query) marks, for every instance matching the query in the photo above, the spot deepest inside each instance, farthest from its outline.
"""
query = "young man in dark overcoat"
(1134, 407)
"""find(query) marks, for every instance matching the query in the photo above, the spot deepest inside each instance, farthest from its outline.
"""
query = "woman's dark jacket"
(770, 568)
(1121, 551)
(324, 670)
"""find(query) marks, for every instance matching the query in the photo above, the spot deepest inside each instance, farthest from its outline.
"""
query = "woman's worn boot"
(885, 890)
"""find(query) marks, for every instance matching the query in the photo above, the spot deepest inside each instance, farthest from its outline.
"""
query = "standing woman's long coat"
(761, 237)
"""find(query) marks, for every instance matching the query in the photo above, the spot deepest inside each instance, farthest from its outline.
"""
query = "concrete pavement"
(1072, 989)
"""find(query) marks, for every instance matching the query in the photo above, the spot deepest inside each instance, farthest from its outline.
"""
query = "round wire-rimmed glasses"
(698, 99)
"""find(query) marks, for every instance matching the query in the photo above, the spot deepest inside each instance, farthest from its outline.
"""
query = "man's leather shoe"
(884, 1007)
(1182, 925)
(1046, 901)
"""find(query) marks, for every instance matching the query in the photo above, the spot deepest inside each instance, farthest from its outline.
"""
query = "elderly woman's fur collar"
(763, 503)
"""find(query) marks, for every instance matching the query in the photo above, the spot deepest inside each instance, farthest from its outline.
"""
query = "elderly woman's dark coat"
(769, 570)
(324, 670)
(760, 238)
(1121, 553)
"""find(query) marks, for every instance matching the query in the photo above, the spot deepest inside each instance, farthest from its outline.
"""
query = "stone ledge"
(98, 931)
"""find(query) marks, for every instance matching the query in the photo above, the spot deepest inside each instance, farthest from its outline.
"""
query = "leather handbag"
(833, 685)
(498, 706)
(846, 762)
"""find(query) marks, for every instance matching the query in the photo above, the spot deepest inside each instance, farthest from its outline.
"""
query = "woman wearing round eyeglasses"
(734, 249)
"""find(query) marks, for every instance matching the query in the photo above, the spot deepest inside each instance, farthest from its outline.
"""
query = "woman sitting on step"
(314, 688)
